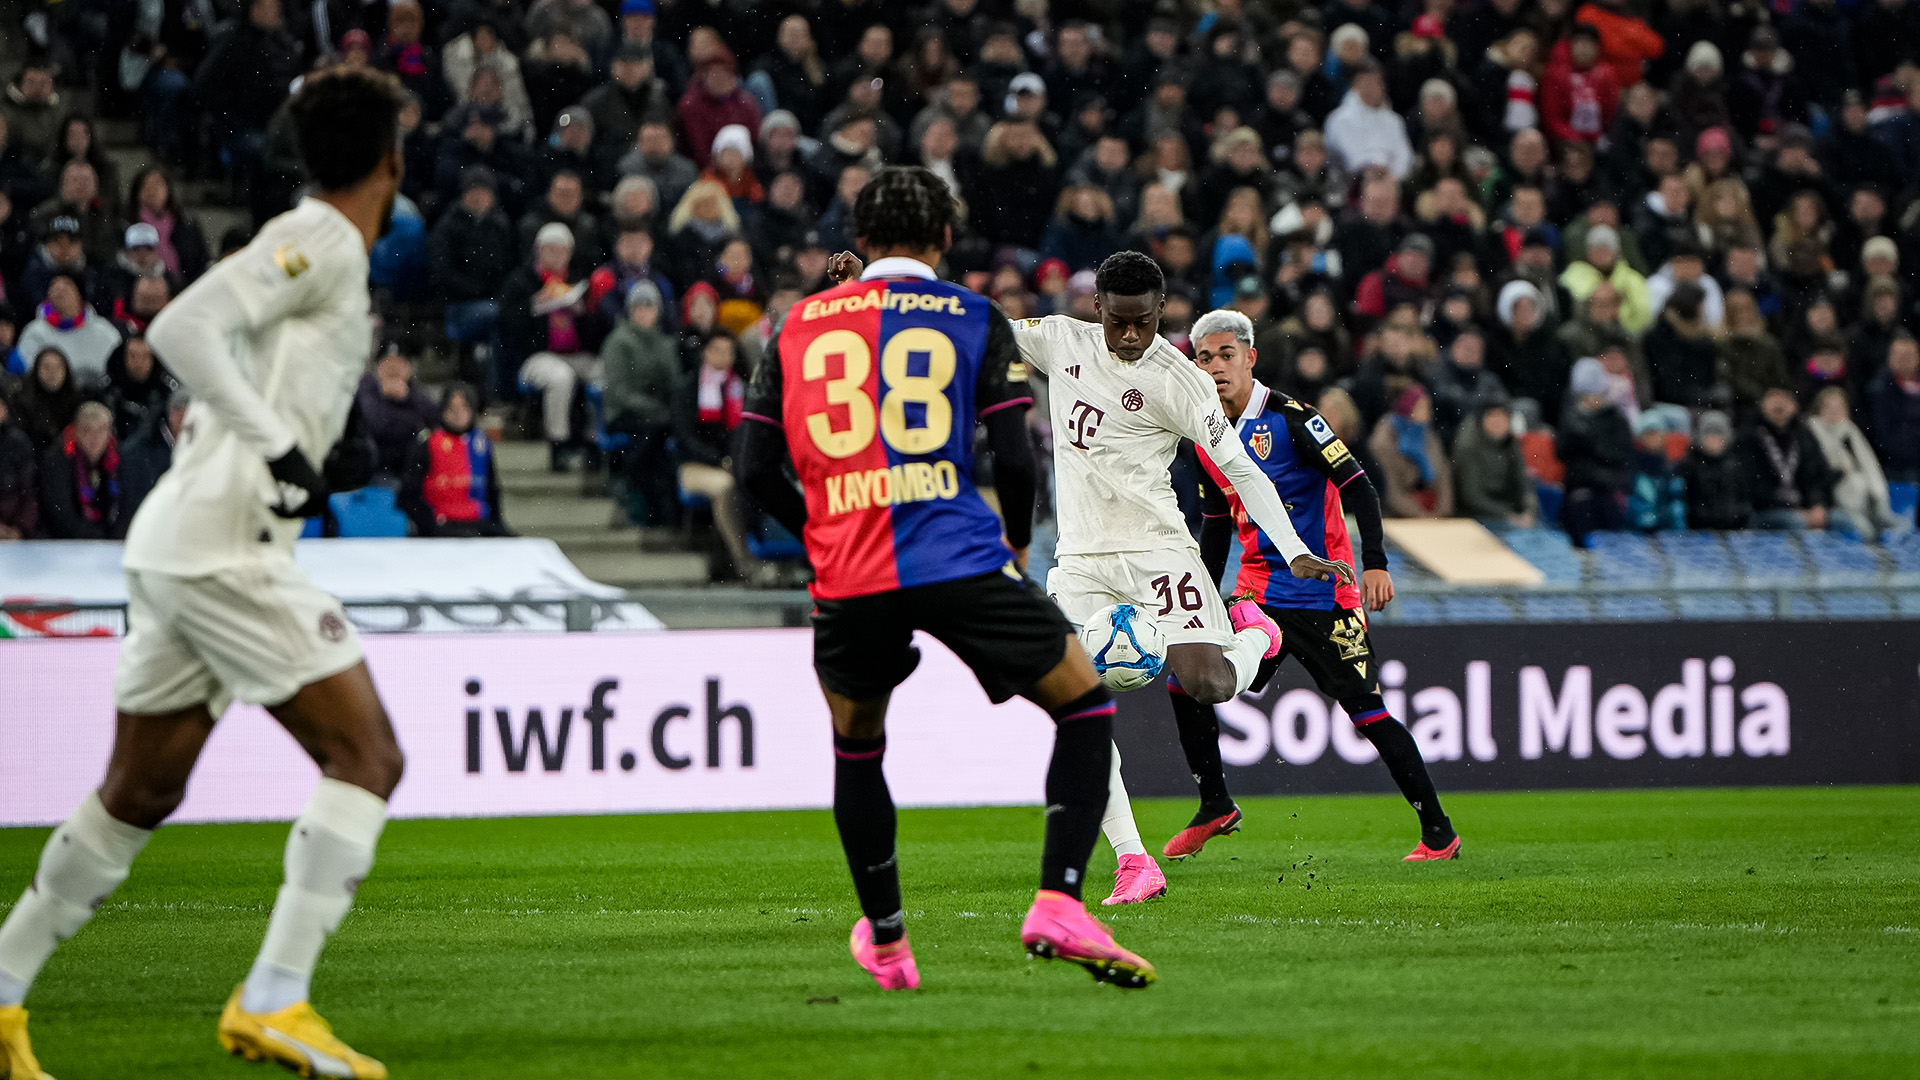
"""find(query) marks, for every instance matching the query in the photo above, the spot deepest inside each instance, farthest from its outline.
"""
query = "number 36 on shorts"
(890, 418)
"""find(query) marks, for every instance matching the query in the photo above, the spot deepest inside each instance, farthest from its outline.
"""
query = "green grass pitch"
(1676, 933)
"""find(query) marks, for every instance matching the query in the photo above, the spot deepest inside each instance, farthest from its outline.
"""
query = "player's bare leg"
(1058, 926)
(342, 726)
(88, 857)
(864, 815)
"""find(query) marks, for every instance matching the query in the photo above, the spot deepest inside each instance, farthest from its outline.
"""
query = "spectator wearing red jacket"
(1403, 280)
(714, 100)
(1626, 41)
(1578, 92)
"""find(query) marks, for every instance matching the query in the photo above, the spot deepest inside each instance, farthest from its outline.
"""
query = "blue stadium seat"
(1841, 560)
(312, 530)
(1769, 558)
(1556, 608)
(1698, 559)
(607, 441)
(1418, 610)
(1628, 559)
(1549, 550)
(1870, 605)
(1550, 497)
(1476, 609)
(1904, 549)
(1903, 496)
(369, 512)
(772, 543)
(1634, 609)
(1719, 606)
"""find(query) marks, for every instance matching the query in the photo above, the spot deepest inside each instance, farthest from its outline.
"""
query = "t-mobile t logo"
(1083, 420)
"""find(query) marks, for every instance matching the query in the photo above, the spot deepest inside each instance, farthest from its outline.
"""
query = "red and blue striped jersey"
(1309, 465)
(878, 385)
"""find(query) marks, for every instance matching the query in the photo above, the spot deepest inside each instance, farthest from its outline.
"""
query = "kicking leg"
(864, 815)
(1401, 754)
(88, 857)
(341, 724)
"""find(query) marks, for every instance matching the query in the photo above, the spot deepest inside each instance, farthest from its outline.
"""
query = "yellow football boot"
(16, 1053)
(295, 1037)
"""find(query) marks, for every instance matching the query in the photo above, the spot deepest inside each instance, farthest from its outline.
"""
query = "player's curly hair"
(904, 206)
(346, 120)
(1129, 273)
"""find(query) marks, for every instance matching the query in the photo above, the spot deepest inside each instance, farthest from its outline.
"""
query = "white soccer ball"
(1126, 646)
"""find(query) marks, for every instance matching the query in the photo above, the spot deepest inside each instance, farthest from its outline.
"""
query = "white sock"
(328, 855)
(87, 858)
(1246, 654)
(1121, 832)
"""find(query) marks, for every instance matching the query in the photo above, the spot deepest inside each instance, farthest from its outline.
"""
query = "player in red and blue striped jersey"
(1324, 623)
(871, 392)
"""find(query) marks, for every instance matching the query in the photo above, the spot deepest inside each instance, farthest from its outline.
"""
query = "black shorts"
(1004, 628)
(1331, 643)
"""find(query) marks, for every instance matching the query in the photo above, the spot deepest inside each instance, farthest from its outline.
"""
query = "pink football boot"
(1136, 879)
(891, 965)
(1247, 613)
(1059, 928)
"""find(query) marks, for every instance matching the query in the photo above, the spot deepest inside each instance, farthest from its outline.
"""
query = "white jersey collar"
(1256, 404)
(899, 266)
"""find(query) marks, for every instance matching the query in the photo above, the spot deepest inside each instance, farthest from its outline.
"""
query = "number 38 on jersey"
(913, 415)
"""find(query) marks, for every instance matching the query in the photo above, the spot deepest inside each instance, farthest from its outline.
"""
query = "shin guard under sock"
(863, 811)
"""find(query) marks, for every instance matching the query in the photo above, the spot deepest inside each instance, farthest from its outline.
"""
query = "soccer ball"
(1126, 647)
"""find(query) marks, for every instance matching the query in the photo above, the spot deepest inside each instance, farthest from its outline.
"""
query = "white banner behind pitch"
(546, 724)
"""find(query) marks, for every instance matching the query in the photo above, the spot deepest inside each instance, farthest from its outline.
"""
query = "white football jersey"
(301, 337)
(1116, 427)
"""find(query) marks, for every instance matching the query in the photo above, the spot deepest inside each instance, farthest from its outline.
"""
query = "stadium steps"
(538, 502)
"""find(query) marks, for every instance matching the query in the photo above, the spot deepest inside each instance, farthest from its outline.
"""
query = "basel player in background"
(872, 390)
(1324, 623)
(1122, 400)
(272, 342)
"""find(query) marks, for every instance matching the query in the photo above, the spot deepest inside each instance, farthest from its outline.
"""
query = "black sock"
(1076, 789)
(1200, 737)
(1402, 757)
(863, 810)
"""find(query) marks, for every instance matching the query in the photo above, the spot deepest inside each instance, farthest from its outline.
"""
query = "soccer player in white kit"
(1121, 399)
(272, 342)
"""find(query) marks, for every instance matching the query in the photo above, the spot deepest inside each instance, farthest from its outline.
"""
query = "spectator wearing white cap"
(731, 166)
(550, 327)
(138, 260)
(1602, 262)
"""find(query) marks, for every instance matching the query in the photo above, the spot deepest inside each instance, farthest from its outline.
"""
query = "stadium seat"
(1904, 496)
(1556, 608)
(1858, 605)
(771, 543)
(1768, 559)
(1417, 610)
(1732, 607)
(1626, 559)
(608, 441)
(1697, 560)
(1841, 560)
(1549, 550)
(369, 512)
(1476, 609)
(1634, 609)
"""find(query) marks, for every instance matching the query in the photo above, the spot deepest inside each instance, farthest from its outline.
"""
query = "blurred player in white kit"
(272, 343)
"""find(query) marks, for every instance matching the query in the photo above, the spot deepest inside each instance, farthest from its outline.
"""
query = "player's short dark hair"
(346, 120)
(904, 206)
(1129, 273)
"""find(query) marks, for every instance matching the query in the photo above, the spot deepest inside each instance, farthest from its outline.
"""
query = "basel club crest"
(1262, 442)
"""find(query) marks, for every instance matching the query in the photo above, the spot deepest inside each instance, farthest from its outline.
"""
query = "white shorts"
(1171, 587)
(255, 634)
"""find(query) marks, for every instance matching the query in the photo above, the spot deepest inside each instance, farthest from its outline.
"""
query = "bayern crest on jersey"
(1262, 442)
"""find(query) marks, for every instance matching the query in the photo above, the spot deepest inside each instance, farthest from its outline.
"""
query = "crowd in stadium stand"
(1538, 261)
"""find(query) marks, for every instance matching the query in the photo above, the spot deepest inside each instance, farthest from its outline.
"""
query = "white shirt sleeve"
(1199, 417)
(1027, 334)
(242, 294)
